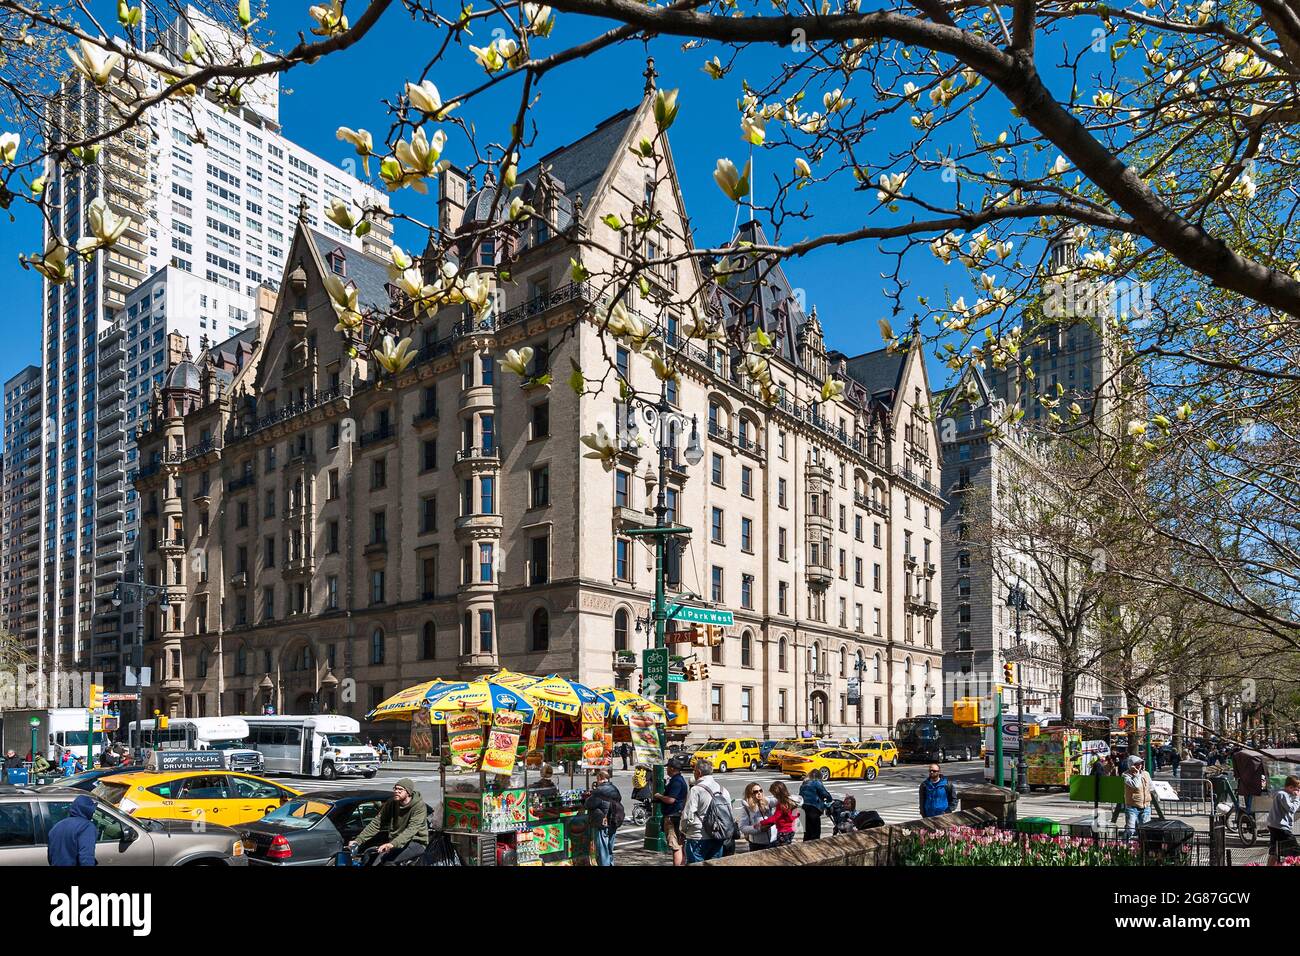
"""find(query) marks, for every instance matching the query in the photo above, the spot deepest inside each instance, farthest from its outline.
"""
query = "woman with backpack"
(605, 815)
(783, 816)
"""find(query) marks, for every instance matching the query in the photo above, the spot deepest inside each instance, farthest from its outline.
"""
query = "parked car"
(885, 750)
(86, 780)
(212, 796)
(310, 830)
(730, 753)
(27, 815)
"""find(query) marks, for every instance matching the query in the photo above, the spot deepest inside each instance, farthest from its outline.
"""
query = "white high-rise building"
(213, 193)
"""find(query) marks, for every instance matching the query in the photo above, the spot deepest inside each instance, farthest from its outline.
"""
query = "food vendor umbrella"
(484, 696)
(621, 703)
(558, 693)
(402, 705)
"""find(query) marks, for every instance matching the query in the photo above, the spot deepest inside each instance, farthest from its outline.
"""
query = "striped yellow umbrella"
(402, 705)
(621, 703)
(560, 694)
(484, 696)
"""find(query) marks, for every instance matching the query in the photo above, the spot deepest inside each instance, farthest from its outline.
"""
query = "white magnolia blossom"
(330, 20)
(106, 227)
(53, 262)
(425, 98)
(517, 361)
(344, 299)
(602, 447)
(395, 357)
(341, 214)
(891, 186)
(732, 182)
(835, 100)
(361, 141)
(537, 19)
(9, 147)
(752, 128)
(94, 62)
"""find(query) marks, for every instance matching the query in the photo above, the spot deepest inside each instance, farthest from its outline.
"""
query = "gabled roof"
(878, 371)
(575, 169)
(368, 274)
(770, 292)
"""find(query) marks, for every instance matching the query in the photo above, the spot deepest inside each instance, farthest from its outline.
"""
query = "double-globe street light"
(1018, 601)
(664, 425)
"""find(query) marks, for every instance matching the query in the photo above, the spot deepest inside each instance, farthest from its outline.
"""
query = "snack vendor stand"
(498, 730)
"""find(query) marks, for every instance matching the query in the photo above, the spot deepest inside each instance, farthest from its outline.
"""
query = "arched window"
(466, 635)
(715, 418)
(815, 658)
(875, 668)
(746, 650)
(241, 660)
(428, 642)
(266, 662)
(907, 671)
(202, 669)
(541, 630)
(780, 654)
(620, 630)
(844, 661)
(377, 646)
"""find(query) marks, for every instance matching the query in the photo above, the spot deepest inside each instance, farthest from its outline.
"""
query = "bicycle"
(1239, 819)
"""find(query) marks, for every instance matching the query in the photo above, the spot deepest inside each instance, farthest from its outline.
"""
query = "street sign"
(138, 676)
(113, 697)
(698, 615)
(679, 637)
(654, 669)
(855, 691)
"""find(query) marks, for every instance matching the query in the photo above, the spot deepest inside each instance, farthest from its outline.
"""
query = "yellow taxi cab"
(730, 753)
(886, 751)
(212, 796)
(833, 764)
(795, 746)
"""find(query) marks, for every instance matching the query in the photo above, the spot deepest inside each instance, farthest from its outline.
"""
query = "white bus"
(227, 734)
(321, 745)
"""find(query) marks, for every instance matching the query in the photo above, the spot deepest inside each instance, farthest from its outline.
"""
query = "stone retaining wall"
(865, 848)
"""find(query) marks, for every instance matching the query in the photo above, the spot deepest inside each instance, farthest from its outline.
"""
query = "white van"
(321, 745)
(227, 734)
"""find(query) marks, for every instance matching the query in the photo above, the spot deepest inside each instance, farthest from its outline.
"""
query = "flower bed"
(964, 846)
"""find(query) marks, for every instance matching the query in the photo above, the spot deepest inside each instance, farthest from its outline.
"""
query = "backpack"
(718, 822)
(615, 815)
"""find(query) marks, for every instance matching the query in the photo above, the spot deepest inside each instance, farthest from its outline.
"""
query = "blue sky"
(346, 89)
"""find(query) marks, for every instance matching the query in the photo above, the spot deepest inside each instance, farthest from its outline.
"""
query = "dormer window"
(338, 262)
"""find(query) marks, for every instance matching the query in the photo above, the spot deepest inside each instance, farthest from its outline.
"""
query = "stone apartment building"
(328, 534)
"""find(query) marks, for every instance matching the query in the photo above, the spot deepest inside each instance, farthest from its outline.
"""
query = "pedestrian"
(68, 764)
(12, 762)
(624, 752)
(707, 820)
(816, 800)
(672, 802)
(71, 841)
(842, 819)
(404, 819)
(544, 782)
(1137, 796)
(756, 806)
(784, 814)
(1175, 759)
(1281, 822)
(40, 765)
(937, 794)
(604, 816)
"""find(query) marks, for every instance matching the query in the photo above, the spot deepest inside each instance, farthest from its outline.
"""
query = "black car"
(310, 830)
(87, 779)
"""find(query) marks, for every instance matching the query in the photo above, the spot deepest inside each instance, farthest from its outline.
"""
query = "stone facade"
(329, 535)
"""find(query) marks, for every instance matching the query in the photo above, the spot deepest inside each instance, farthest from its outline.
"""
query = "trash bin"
(1165, 840)
(1040, 825)
(999, 801)
(17, 776)
(1192, 769)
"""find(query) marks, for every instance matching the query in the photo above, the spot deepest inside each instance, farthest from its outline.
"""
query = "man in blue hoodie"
(72, 839)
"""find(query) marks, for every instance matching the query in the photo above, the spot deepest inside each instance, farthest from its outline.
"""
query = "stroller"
(642, 804)
(847, 818)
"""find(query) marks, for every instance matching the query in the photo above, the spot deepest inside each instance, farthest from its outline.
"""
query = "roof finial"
(302, 205)
(649, 75)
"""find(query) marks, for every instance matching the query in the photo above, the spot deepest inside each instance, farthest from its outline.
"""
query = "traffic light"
(715, 635)
(96, 697)
(1009, 672)
(703, 669)
(699, 635)
(162, 723)
(640, 684)
(1128, 722)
